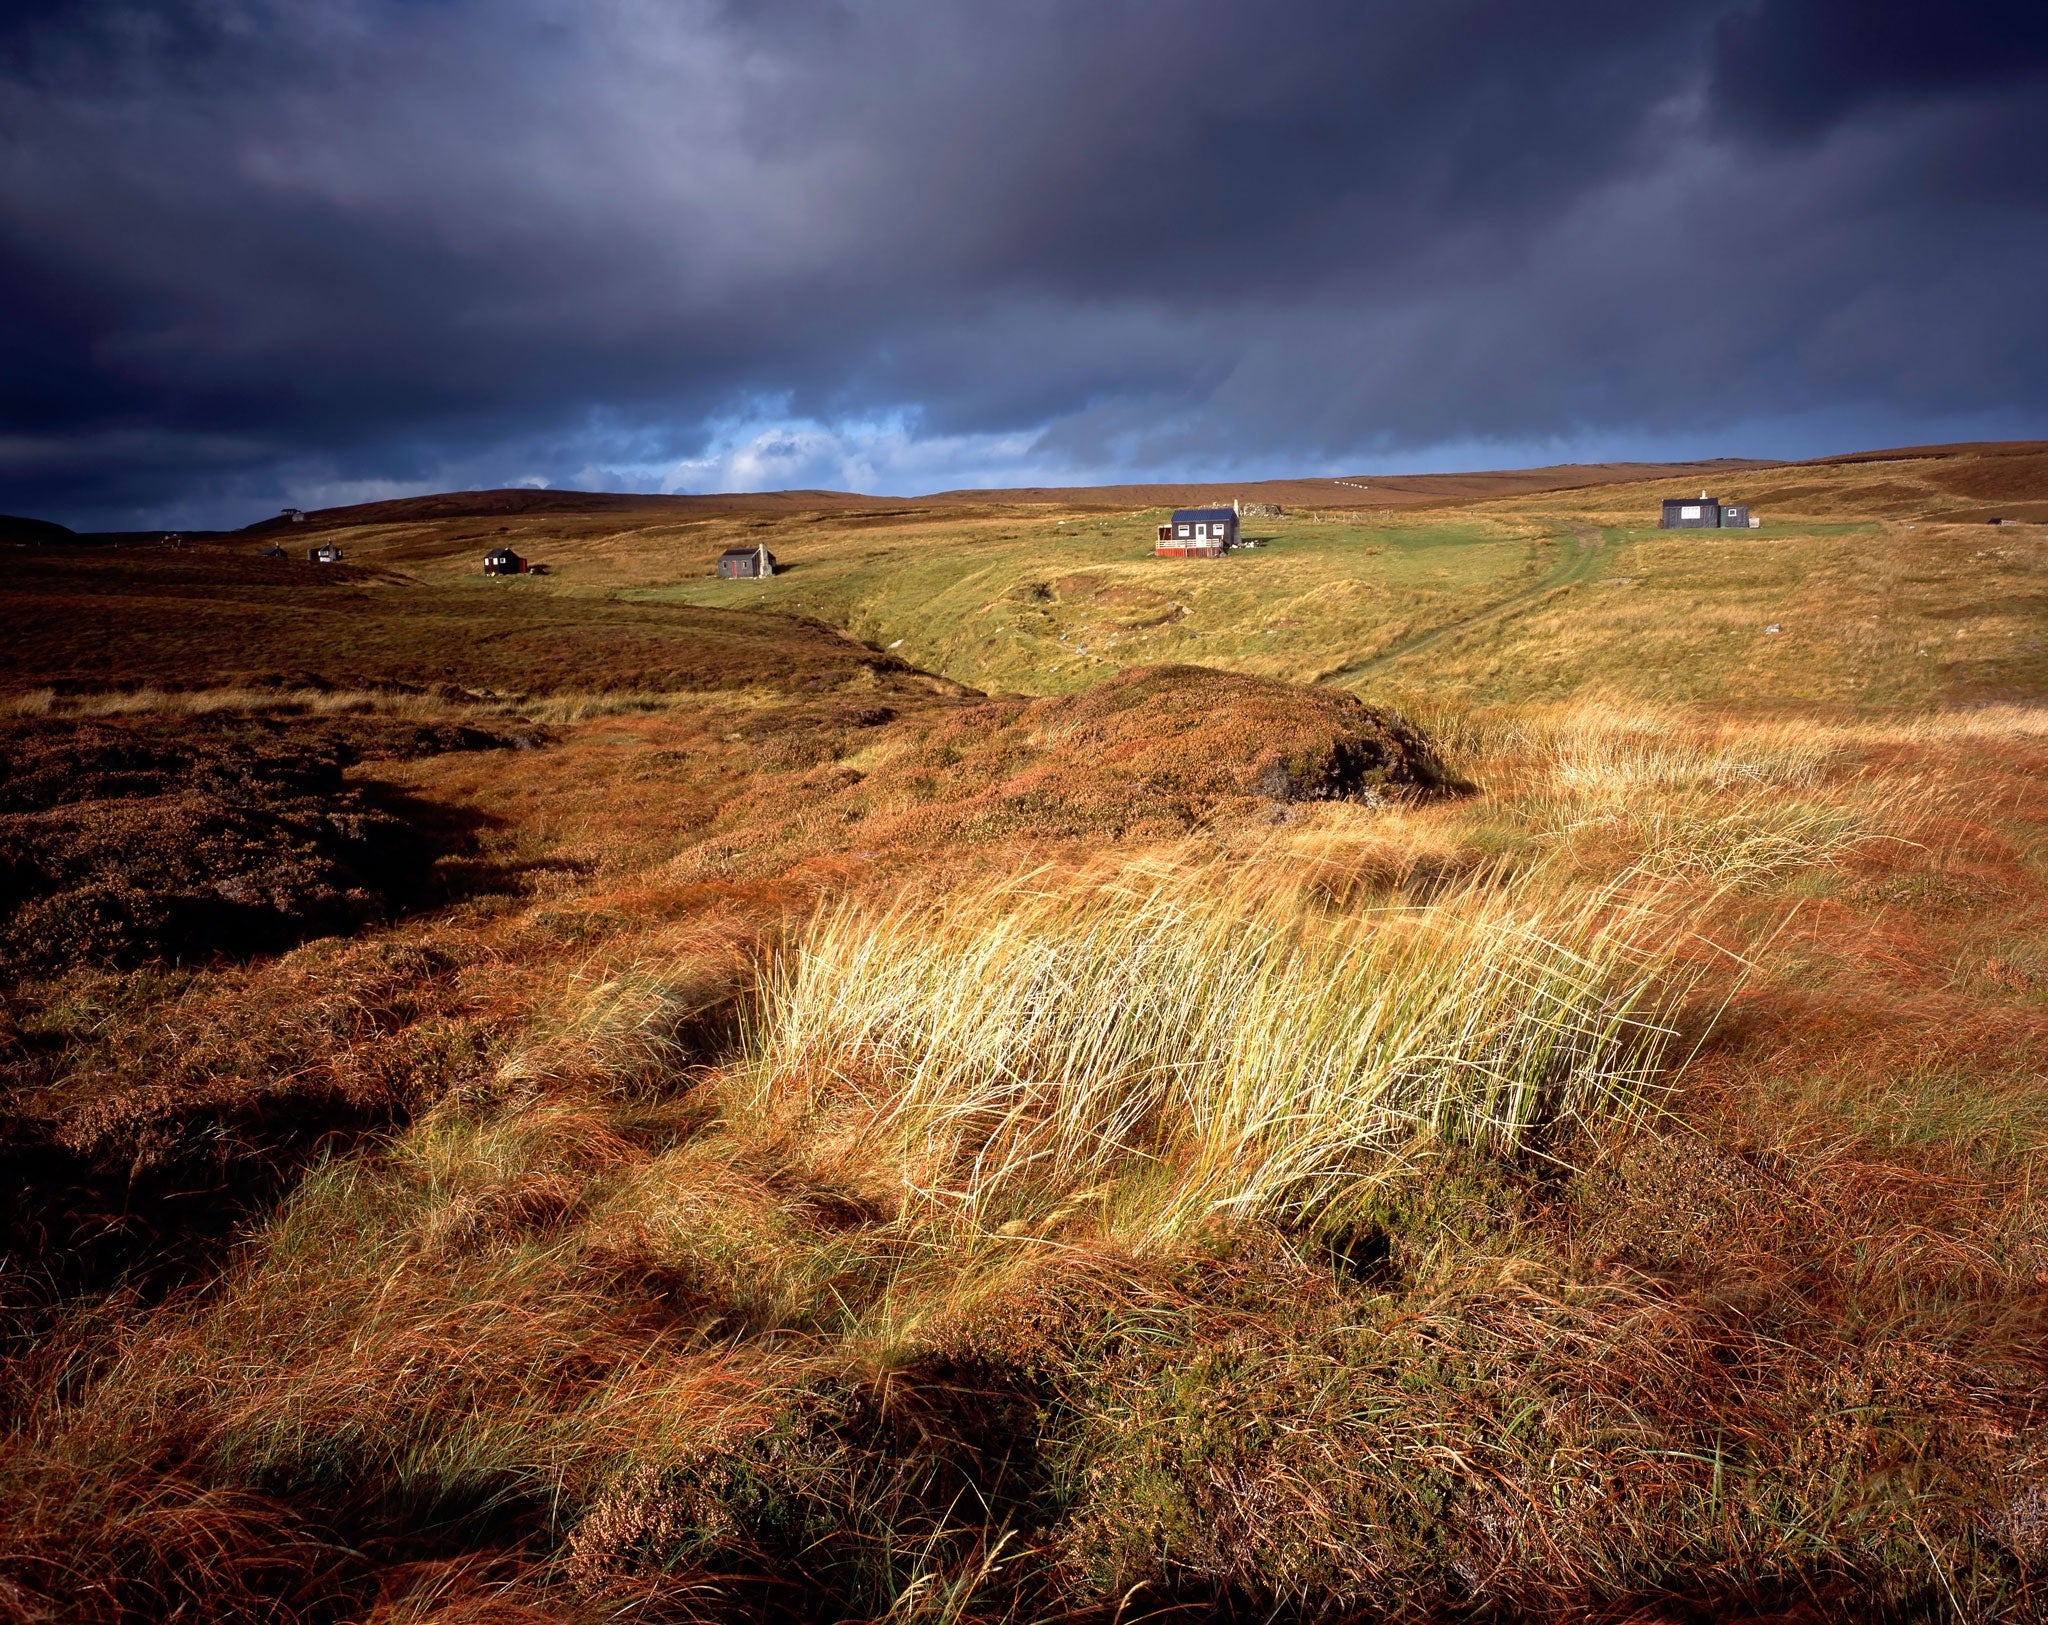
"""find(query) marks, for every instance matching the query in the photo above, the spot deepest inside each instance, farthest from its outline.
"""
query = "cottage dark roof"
(740, 552)
(1187, 516)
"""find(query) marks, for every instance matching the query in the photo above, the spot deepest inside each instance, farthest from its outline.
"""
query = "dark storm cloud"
(262, 250)
(1792, 68)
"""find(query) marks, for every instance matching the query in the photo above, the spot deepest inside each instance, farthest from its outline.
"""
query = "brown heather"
(806, 1140)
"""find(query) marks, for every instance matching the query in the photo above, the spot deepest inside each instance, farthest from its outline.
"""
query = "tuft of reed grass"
(1734, 840)
(1193, 1043)
(636, 1026)
(1736, 804)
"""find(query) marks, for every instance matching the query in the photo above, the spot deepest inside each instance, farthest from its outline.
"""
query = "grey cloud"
(251, 247)
(1793, 68)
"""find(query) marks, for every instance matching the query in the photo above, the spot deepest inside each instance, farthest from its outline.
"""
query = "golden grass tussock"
(1597, 751)
(1738, 839)
(1221, 1041)
(633, 1025)
(1679, 797)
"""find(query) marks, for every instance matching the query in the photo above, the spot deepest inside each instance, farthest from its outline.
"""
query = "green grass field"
(1882, 596)
(1481, 609)
(1050, 607)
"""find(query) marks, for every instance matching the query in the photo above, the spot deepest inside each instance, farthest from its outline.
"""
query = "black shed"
(736, 562)
(502, 561)
(1691, 513)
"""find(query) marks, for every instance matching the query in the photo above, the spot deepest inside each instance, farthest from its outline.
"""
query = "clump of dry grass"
(1738, 839)
(636, 1025)
(2022, 723)
(567, 708)
(1732, 803)
(1219, 1038)
(141, 1540)
(1600, 755)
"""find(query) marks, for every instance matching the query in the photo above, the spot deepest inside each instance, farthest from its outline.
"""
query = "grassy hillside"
(1054, 605)
(583, 1098)
(1885, 584)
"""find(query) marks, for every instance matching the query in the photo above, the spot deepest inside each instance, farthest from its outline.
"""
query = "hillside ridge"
(1335, 491)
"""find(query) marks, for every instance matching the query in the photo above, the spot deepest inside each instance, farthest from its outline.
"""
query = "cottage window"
(1691, 511)
(1185, 532)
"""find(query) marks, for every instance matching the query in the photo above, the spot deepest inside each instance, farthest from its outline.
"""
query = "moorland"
(1478, 1059)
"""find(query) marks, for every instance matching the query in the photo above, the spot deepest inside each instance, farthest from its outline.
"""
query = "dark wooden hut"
(1689, 513)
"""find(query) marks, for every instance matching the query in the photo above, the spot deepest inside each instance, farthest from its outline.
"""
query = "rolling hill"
(1878, 571)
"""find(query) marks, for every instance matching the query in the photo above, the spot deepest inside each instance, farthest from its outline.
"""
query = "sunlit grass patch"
(1597, 752)
(1167, 1047)
(1983, 722)
(1677, 796)
(1739, 840)
(634, 1025)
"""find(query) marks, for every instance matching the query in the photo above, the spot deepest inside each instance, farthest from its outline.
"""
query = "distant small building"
(273, 551)
(502, 561)
(294, 516)
(1198, 533)
(1735, 516)
(737, 562)
(325, 553)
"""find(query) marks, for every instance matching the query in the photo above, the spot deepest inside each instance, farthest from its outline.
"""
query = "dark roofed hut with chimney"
(737, 562)
(1683, 513)
(1707, 513)
(502, 561)
(1198, 533)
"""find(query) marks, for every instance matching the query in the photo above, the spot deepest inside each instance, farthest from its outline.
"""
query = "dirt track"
(1576, 565)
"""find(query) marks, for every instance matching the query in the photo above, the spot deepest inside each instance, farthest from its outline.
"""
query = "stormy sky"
(257, 252)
